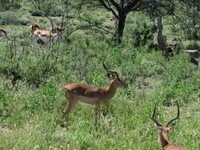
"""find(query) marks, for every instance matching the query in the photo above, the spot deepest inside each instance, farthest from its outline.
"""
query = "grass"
(30, 115)
(127, 127)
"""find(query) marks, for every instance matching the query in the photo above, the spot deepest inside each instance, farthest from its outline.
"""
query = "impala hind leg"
(67, 110)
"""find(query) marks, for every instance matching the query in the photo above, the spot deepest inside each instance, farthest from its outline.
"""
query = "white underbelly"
(44, 38)
(88, 100)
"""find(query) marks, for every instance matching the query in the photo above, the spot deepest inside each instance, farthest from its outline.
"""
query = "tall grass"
(35, 114)
(31, 110)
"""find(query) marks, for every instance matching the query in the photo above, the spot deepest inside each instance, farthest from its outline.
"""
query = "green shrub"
(43, 99)
(15, 18)
(46, 8)
(3, 98)
(193, 45)
(6, 5)
(143, 34)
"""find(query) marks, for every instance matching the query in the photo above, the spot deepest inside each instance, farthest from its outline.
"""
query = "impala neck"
(111, 89)
(163, 139)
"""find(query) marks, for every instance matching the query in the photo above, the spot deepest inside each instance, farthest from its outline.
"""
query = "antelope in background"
(33, 27)
(58, 30)
(44, 36)
(163, 138)
(76, 92)
(3, 32)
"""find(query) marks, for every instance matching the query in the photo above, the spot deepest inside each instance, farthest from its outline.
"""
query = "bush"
(13, 18)
(193, 45)
(43, 99)
(5, 99)
(46, 8)
(6, 5)
(143, 34)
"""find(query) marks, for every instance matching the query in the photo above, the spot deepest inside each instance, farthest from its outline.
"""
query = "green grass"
(127, 125)
(32, 111)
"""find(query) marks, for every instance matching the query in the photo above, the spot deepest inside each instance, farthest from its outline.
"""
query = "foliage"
(187, 17)
(32, 109)
(5, 98)
(6, 4)
(143, 34)
(13, 18)
(43, 99)
(46, 8)
(193, 45)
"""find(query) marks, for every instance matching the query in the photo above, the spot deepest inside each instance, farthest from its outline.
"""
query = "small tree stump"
(192, 53)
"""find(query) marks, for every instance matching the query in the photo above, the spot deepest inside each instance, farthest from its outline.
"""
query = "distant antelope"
(58, 30)
(163, 132)
(33, 27)
(44, 35)
(76, 92)
(3, 32)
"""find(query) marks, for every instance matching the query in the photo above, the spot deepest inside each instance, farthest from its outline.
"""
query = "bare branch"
(132, 5)
(108, 7)
(117, 6)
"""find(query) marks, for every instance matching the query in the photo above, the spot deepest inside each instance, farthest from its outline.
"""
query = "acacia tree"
(121, 8)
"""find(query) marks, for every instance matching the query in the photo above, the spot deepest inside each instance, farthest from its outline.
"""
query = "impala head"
(34, 27)
(114, 77)
(163, 130)
(56, 29)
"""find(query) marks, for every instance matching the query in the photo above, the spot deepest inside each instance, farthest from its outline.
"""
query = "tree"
(121, 8)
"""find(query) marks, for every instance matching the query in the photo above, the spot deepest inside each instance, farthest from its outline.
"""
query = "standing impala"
(163, 132)
(33, 27)
(58, 30)
(44, 35)
(3, 32)
(76, 92)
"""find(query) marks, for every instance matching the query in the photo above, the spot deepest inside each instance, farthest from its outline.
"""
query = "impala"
(33, 27)
(3, 32)
(163, 132)
(58, 30)
(44, 35)
(76, 92)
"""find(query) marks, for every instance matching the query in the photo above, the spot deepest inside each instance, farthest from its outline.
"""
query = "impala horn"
(153, 115)
(178, 113)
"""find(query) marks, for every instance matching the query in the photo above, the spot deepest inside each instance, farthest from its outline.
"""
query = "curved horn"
(178, 113)
(152, 117)
(109, 71)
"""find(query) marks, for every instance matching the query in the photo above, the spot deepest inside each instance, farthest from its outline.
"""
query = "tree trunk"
(120, 27)
(160, 39)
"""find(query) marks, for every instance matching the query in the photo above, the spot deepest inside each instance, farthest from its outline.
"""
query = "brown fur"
(76, 92)
(33, 27)
(163, 131)
(42, 35)
(56, 29)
